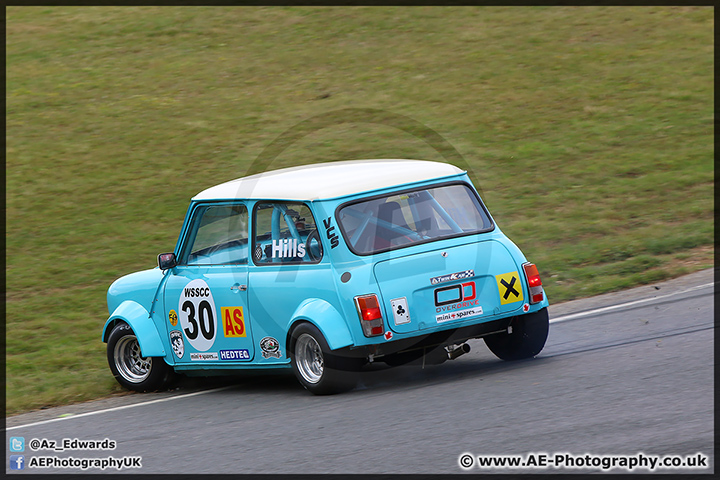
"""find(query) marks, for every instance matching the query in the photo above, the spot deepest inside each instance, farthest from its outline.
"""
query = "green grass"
(589, 130)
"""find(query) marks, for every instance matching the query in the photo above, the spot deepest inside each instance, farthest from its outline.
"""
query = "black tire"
(529, 333)
(129, 368)
(317, 368)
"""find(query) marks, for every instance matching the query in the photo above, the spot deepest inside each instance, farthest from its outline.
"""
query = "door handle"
(239, 287)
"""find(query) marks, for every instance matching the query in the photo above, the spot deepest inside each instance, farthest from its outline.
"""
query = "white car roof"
(329, 180)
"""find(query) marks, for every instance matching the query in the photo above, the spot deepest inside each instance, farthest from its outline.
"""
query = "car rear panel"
(451, 287)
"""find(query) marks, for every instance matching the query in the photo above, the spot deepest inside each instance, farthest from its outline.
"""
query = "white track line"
(167, 399)
(115, 409)
(596, 311)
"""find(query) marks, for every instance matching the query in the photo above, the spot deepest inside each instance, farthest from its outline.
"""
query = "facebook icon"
(17, 462)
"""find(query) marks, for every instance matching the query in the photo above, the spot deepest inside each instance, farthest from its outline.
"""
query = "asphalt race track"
(621, 374)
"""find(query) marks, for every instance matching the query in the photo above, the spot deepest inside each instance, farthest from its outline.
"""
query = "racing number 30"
(204, 313)
(196, 309)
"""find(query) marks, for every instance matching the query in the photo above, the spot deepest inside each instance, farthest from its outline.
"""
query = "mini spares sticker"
(203, 356)
(451, 277)
(458, 315)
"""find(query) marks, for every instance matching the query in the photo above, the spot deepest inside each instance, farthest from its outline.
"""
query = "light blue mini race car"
(324, 268)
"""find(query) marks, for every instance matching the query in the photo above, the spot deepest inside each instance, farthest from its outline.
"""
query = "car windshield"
(411, 217)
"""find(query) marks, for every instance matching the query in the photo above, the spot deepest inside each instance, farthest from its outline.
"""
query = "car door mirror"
(166, 261)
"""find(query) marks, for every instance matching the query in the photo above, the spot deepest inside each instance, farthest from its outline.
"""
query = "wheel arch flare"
(326, 318)
(139, 321)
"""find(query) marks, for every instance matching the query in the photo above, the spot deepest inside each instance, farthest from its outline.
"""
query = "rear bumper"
(444, 337)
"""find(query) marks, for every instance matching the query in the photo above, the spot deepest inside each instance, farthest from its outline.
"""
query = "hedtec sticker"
(236, 354)
(270, 347)
(204, 356)
(178, 345)
(458, 315)
(452, 277)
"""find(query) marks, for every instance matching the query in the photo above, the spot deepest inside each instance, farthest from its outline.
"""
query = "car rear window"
(410, 217)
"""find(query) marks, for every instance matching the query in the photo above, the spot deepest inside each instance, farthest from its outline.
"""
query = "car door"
(206, 294)
(289, 268)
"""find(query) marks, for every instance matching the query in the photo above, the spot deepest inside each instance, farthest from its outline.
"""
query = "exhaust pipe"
(457, 351)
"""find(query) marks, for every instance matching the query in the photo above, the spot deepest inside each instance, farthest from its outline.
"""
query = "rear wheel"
(316, 367)
(529, 333)
(129, 367)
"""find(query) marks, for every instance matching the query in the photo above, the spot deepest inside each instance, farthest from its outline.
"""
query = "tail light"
(534, 283)
(370, 315)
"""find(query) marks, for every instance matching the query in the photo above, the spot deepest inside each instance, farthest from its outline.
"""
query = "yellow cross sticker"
(509, 287)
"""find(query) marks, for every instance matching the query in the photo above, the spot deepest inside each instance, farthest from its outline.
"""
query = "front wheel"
(527, 339)
(316, 367)
(129, 367)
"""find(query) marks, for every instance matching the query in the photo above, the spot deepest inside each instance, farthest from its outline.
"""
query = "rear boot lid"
(460, 285)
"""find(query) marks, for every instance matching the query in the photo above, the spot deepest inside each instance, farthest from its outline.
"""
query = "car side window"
(285, 233)
(219, 236)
